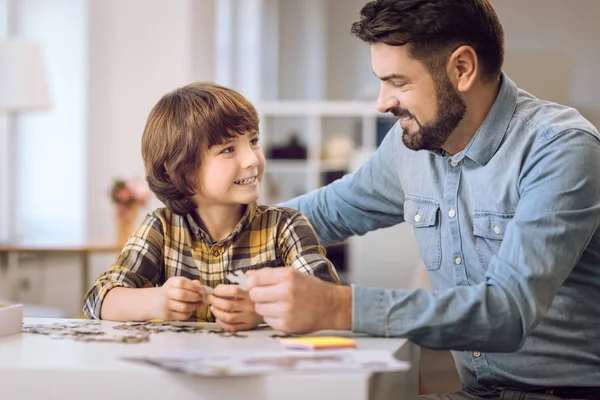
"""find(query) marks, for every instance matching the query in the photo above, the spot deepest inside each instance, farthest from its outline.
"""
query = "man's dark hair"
(433, 29)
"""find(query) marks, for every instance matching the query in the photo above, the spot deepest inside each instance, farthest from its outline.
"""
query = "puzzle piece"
(238, 277)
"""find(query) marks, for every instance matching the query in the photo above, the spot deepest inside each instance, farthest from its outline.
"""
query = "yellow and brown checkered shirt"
(167, 244)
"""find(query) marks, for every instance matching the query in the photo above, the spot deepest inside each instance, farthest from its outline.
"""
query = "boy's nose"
(249, 159)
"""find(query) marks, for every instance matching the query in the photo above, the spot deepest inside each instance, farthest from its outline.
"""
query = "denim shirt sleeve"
(555, 219)
(368, 199)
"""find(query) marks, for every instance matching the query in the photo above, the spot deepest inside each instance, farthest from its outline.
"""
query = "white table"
(37, 367)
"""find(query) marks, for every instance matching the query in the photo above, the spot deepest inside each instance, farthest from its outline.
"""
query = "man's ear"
(463, 68)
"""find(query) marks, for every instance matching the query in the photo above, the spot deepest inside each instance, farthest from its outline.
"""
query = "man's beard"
(450, 111)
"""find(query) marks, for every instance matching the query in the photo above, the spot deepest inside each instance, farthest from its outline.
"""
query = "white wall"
(557, 57)
(139, 49)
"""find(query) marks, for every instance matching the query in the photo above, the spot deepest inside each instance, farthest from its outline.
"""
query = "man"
(503, 191)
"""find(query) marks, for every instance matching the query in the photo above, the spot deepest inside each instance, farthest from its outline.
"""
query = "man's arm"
(368, 199)
(556, 217)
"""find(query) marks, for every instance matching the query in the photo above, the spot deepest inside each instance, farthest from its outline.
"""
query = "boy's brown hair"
(181, 125)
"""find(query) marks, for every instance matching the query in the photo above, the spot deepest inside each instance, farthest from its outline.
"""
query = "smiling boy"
(203, 160)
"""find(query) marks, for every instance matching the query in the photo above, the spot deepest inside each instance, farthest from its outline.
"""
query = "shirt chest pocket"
(489, 229)
(423, 215)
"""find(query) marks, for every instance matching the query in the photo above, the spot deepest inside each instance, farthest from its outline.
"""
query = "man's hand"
(178, 298)
(293, 302)
(233, 309)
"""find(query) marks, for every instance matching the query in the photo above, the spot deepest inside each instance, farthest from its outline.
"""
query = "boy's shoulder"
(166, 218)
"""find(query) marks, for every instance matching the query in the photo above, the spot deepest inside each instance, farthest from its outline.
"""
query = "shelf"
(303, 166)
(319, 108)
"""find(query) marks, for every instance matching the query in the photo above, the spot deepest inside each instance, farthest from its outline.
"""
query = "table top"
(30, 364)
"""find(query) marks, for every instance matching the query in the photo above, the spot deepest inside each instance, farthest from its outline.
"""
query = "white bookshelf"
(307, 76)
(314, 123)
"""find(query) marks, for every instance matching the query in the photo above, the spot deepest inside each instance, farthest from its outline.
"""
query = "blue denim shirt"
(508, 230)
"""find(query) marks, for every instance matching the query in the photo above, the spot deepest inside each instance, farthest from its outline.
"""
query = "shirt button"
(457, 260)
(496, 230)
(451, 213)
(453, 163)
(417, 218)
(216, 253)
(476, 354)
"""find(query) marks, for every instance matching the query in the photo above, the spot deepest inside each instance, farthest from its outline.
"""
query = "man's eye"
(397, 84)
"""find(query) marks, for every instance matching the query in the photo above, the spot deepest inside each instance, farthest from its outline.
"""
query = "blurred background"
(94, 68)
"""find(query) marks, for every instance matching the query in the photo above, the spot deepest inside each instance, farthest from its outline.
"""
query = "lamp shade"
(22, 79)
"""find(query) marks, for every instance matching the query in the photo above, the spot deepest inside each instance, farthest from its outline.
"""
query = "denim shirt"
(508, 230)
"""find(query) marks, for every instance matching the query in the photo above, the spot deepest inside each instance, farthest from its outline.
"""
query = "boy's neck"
(220, 220)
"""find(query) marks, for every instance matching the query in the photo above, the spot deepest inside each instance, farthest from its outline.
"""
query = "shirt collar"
(486, 141)
(200, 234)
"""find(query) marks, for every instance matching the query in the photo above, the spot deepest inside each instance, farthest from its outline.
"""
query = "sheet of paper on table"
(259, 362)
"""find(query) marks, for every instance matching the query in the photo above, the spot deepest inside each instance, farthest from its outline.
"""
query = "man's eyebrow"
(392, 76)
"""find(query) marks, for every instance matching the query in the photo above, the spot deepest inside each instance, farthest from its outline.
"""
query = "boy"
(203, 161)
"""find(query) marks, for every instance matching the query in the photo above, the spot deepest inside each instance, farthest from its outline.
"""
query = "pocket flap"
(490, 225)
(420, 212)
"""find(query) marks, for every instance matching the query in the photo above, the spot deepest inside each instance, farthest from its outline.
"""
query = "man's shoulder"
(278, 212)
(549, 119)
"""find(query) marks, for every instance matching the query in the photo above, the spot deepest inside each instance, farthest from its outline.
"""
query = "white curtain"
(51, 143)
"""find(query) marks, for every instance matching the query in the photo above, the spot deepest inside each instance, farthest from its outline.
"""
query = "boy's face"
(230, 173)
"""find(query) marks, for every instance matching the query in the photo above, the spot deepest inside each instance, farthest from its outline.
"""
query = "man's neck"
(479, 103)
(220, 220)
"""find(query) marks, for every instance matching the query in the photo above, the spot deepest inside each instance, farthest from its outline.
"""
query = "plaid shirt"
(167, 244)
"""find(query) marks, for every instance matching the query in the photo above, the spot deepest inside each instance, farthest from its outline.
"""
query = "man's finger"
(234, 291)
(272, 310)
(267, 276)
(268, 294)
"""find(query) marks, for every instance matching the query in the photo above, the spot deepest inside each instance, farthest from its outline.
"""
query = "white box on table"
(11, 319)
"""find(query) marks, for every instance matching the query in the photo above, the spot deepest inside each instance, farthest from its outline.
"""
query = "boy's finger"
(228, 317)
(182, 307)
(187, 296)
(228, 305)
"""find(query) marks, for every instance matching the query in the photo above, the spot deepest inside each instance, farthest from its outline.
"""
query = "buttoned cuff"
(369, 310)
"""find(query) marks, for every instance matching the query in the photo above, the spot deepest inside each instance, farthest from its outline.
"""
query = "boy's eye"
(254, 141)
(227, 150)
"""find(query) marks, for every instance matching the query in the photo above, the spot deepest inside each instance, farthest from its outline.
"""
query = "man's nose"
(385, 100)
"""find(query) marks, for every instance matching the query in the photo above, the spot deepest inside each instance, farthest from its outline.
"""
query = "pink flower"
(124, 195)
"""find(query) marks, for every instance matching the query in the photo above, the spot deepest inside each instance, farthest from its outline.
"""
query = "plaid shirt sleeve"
(138, 266)
(299, 248)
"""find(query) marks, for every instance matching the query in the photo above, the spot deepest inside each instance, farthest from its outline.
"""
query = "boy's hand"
(178, 298)
(233, 309)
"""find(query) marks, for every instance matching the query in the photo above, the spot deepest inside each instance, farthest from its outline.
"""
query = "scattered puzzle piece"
(238, 277)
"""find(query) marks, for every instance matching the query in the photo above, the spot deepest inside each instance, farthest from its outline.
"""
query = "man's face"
(429, 109)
